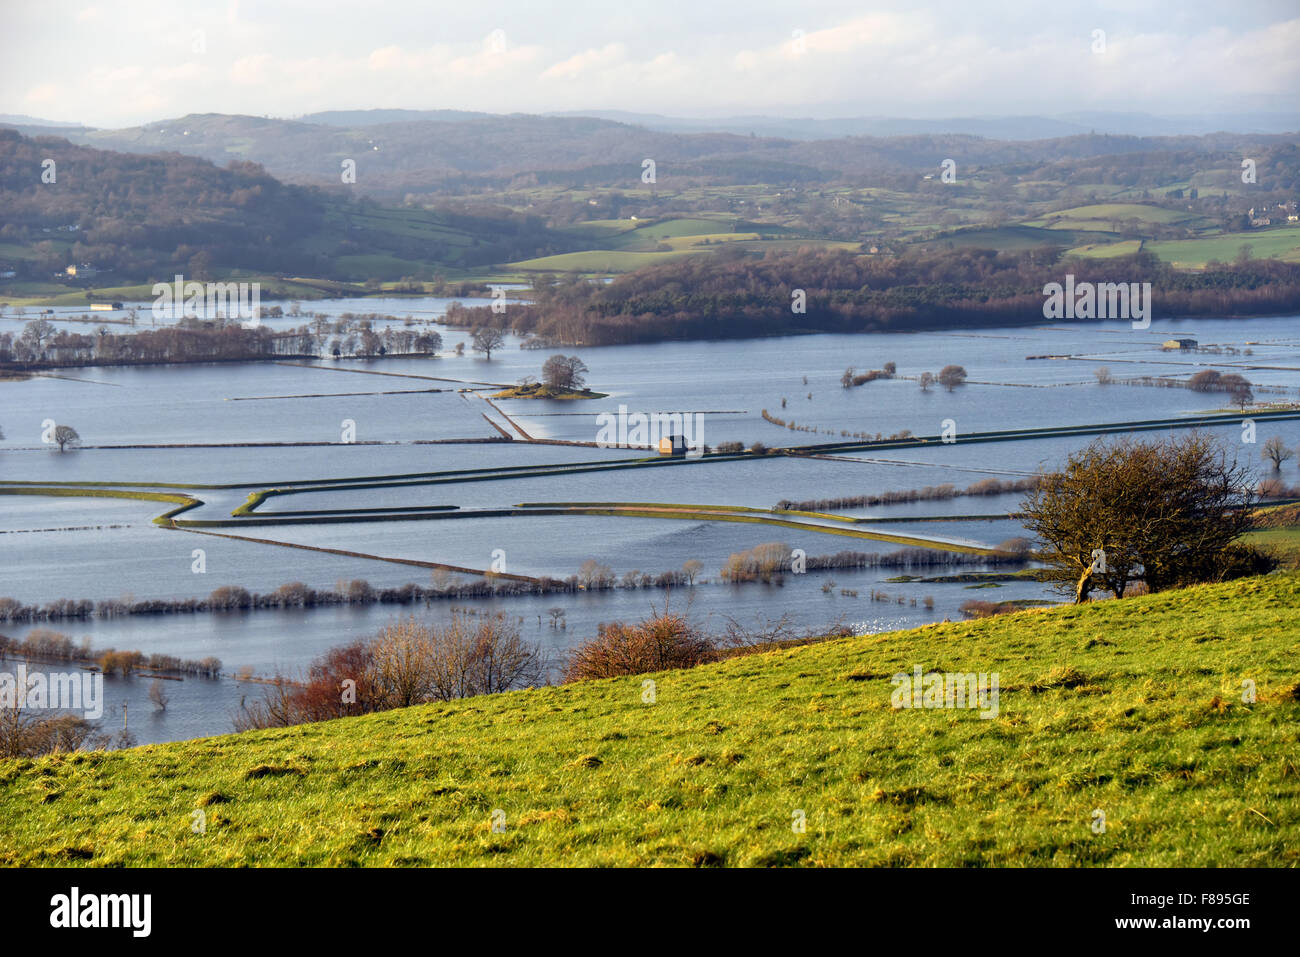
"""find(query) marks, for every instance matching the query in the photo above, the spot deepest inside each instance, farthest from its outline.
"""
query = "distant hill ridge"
(397, 151)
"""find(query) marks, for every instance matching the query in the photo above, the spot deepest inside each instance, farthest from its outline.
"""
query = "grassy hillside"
(1132, 707)
(1097, 215)
(1280, 242)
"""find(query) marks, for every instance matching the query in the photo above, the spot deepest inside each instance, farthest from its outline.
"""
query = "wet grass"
(1133, 708)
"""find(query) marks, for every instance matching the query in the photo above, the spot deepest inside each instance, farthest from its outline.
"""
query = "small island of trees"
(563, 377)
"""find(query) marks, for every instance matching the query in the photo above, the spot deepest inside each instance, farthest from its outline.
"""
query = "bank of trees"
(731, 294)
(985, 486)
(41, 345)
(850, 379)
(44, 644)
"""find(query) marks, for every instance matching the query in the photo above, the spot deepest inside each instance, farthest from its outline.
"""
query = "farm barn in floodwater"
(1180, 344)
(674, 445)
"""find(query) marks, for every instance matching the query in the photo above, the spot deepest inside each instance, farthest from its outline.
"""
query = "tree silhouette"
(487, 339)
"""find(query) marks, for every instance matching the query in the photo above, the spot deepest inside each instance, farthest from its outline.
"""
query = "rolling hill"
(142, 217)
(1126, 714)
(401, 151)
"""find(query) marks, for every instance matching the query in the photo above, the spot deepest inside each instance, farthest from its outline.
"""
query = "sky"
(114, 63)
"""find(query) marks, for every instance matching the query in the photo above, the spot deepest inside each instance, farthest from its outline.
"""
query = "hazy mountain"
(397, 152)
(19, 119)
(989, 127)
(379, 117)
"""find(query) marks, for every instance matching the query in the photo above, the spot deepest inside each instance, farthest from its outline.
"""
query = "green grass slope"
(1133, 708)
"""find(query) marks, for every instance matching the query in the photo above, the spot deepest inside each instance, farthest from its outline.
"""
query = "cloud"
(252, 70)
(588, 62)
(42, 95)
(930, 57)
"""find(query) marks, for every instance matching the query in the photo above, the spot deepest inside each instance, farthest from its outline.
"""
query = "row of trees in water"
(592, 575)
(41, 344)
(42, 644)
(731, 294)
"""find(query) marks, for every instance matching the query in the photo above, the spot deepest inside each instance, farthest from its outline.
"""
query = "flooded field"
(379, 465)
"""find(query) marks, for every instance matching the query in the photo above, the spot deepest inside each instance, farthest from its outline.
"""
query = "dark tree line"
(41, 345)
(733, 295)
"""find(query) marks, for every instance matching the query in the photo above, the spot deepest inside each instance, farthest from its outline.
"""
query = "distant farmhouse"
(1181, 345)
(1287, 212)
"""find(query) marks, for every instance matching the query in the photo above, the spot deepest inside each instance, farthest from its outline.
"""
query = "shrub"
(986, 609)
(24, 734)
(406, 663)
(759, 563)
(359, 590)
(230, 596)
(338, 685)
(293, 595)
(1235, 561)
(1016, 548)
(659, 643)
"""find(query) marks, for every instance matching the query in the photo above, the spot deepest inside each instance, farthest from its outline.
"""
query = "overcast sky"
(123, 62)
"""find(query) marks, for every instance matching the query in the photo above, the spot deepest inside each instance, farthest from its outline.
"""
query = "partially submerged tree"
(36, 333)
(158, 695)
(66, 435)
(1238, 389)
(952, 376)
(1164, 513)
(1275, 451)
(595, 575)
(487, 339)
(691, 568)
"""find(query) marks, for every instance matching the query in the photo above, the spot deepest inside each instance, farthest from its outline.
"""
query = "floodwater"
(262, 424)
